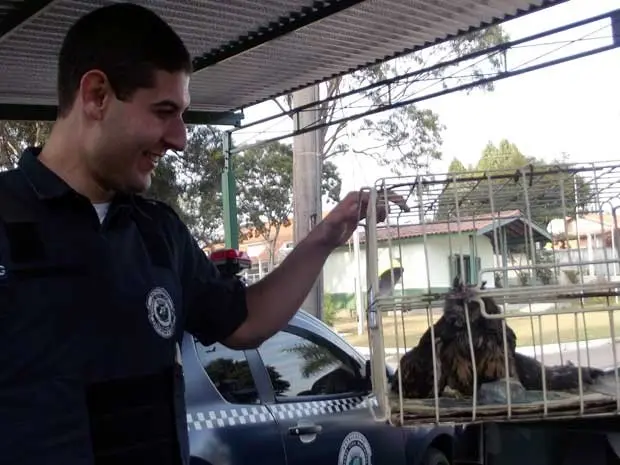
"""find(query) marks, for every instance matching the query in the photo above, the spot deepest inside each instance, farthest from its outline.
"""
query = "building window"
(470, 274)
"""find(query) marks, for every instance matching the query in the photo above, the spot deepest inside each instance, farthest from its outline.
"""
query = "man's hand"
(338, 226)
(274, 300)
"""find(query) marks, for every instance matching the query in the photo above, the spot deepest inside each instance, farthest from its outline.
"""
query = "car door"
(320, 403)
(228, 423)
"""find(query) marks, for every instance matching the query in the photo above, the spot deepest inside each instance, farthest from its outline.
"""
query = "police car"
(301, 398)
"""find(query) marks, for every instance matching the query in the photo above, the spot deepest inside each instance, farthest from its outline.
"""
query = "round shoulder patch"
(355, 450)
(161, 312)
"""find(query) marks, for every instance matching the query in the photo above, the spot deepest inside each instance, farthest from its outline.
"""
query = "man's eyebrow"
(168, 104)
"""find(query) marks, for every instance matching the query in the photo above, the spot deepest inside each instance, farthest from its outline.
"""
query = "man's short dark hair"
(127, 42)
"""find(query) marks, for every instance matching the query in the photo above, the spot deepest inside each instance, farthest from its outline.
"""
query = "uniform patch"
(355, 450)
(161, 312)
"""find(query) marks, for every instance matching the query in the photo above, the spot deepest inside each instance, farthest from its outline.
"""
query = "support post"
(374, 318)
(615, 27)
(229, 197)
(358, 282)
(307, 184)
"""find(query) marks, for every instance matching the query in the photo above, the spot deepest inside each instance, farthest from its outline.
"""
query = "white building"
(430, 265)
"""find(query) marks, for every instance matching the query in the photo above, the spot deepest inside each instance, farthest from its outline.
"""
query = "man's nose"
(176, 135)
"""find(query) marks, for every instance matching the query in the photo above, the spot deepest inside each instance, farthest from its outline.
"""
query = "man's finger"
(395, 198)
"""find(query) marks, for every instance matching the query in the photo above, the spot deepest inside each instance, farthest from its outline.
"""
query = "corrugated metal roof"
(341, 40)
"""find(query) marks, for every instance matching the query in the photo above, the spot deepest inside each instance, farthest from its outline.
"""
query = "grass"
(597, 325)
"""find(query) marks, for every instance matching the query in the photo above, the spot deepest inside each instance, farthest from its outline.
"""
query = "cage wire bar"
(384, 85)
(537, 252)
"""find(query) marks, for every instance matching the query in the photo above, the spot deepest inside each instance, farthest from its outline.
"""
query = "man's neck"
(61, 155)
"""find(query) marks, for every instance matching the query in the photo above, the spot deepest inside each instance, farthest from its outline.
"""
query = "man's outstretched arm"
(274, 300)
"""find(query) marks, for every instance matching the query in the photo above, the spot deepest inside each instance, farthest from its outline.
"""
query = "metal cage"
(498, 278)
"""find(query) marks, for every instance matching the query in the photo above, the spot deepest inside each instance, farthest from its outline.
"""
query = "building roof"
(253, 239)
(513, 220)
(246, 51)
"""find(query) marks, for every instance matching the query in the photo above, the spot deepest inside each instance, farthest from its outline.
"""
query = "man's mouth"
(153, 157)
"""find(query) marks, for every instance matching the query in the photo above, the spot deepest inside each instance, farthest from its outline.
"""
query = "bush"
(330, 309)
(572, 275)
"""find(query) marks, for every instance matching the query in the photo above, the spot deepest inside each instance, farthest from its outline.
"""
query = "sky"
(572, 108)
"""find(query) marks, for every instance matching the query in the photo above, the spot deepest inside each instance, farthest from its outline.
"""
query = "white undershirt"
(102, 210)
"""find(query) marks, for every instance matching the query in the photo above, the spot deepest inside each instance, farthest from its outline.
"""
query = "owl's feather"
(454, 364)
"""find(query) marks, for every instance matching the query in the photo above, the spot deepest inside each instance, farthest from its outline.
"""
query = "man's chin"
(141, 184)
(136, 187)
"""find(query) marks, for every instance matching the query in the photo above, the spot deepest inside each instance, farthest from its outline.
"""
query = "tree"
(549, 189)
(408, 137)
(16, 136)
(165, 186)
(316, 358)
(190, 182)
(202, 164)
(234, 380)
(265, 190)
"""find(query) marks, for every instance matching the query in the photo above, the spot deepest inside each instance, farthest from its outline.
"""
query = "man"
(98, 283)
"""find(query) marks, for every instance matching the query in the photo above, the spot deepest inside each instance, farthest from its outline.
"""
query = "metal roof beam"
(22, 12)
(492, 77)
(17, 112)
(284, 25)
(409, 50)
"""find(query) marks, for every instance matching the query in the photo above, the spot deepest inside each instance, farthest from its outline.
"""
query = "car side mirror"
(385, 280)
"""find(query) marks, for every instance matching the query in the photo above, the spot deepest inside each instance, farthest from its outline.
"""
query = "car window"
(299, 366)
(230, 372)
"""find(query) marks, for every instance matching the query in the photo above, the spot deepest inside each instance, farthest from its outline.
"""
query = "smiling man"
(100, 283)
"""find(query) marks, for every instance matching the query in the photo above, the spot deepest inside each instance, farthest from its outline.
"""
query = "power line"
(481, 81)
(500, 48)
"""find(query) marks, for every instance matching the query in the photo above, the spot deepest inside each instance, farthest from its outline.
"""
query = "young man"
(98, 284)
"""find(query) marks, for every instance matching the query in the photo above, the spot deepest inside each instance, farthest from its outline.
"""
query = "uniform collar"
(45, 182)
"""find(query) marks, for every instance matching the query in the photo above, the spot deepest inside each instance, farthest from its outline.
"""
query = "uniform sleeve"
(214, 307)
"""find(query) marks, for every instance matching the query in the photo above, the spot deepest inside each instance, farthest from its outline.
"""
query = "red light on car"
(231, 255)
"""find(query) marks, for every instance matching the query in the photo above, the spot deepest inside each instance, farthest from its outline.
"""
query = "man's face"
(128, 138)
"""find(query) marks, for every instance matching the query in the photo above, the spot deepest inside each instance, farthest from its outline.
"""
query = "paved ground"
(601, 356)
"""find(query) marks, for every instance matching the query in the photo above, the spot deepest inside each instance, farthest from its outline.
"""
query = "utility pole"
(307, 169)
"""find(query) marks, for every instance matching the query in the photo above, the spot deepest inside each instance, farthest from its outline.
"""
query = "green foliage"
(265, 189)
(330, 309)
(456, 166)
(191, 182)
(316, 358)
(16, 136)
(552, 191)
(408, 137)
(572, 275)
(545, 274)
(232, 375)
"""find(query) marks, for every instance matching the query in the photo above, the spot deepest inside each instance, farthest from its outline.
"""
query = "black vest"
(88, 339)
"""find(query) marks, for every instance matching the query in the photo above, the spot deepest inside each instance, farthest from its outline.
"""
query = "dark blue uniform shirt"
(90, 318)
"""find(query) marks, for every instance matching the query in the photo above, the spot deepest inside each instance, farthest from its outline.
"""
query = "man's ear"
(95, 93)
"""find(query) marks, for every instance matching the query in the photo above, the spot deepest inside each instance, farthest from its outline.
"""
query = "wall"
(340, 270)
